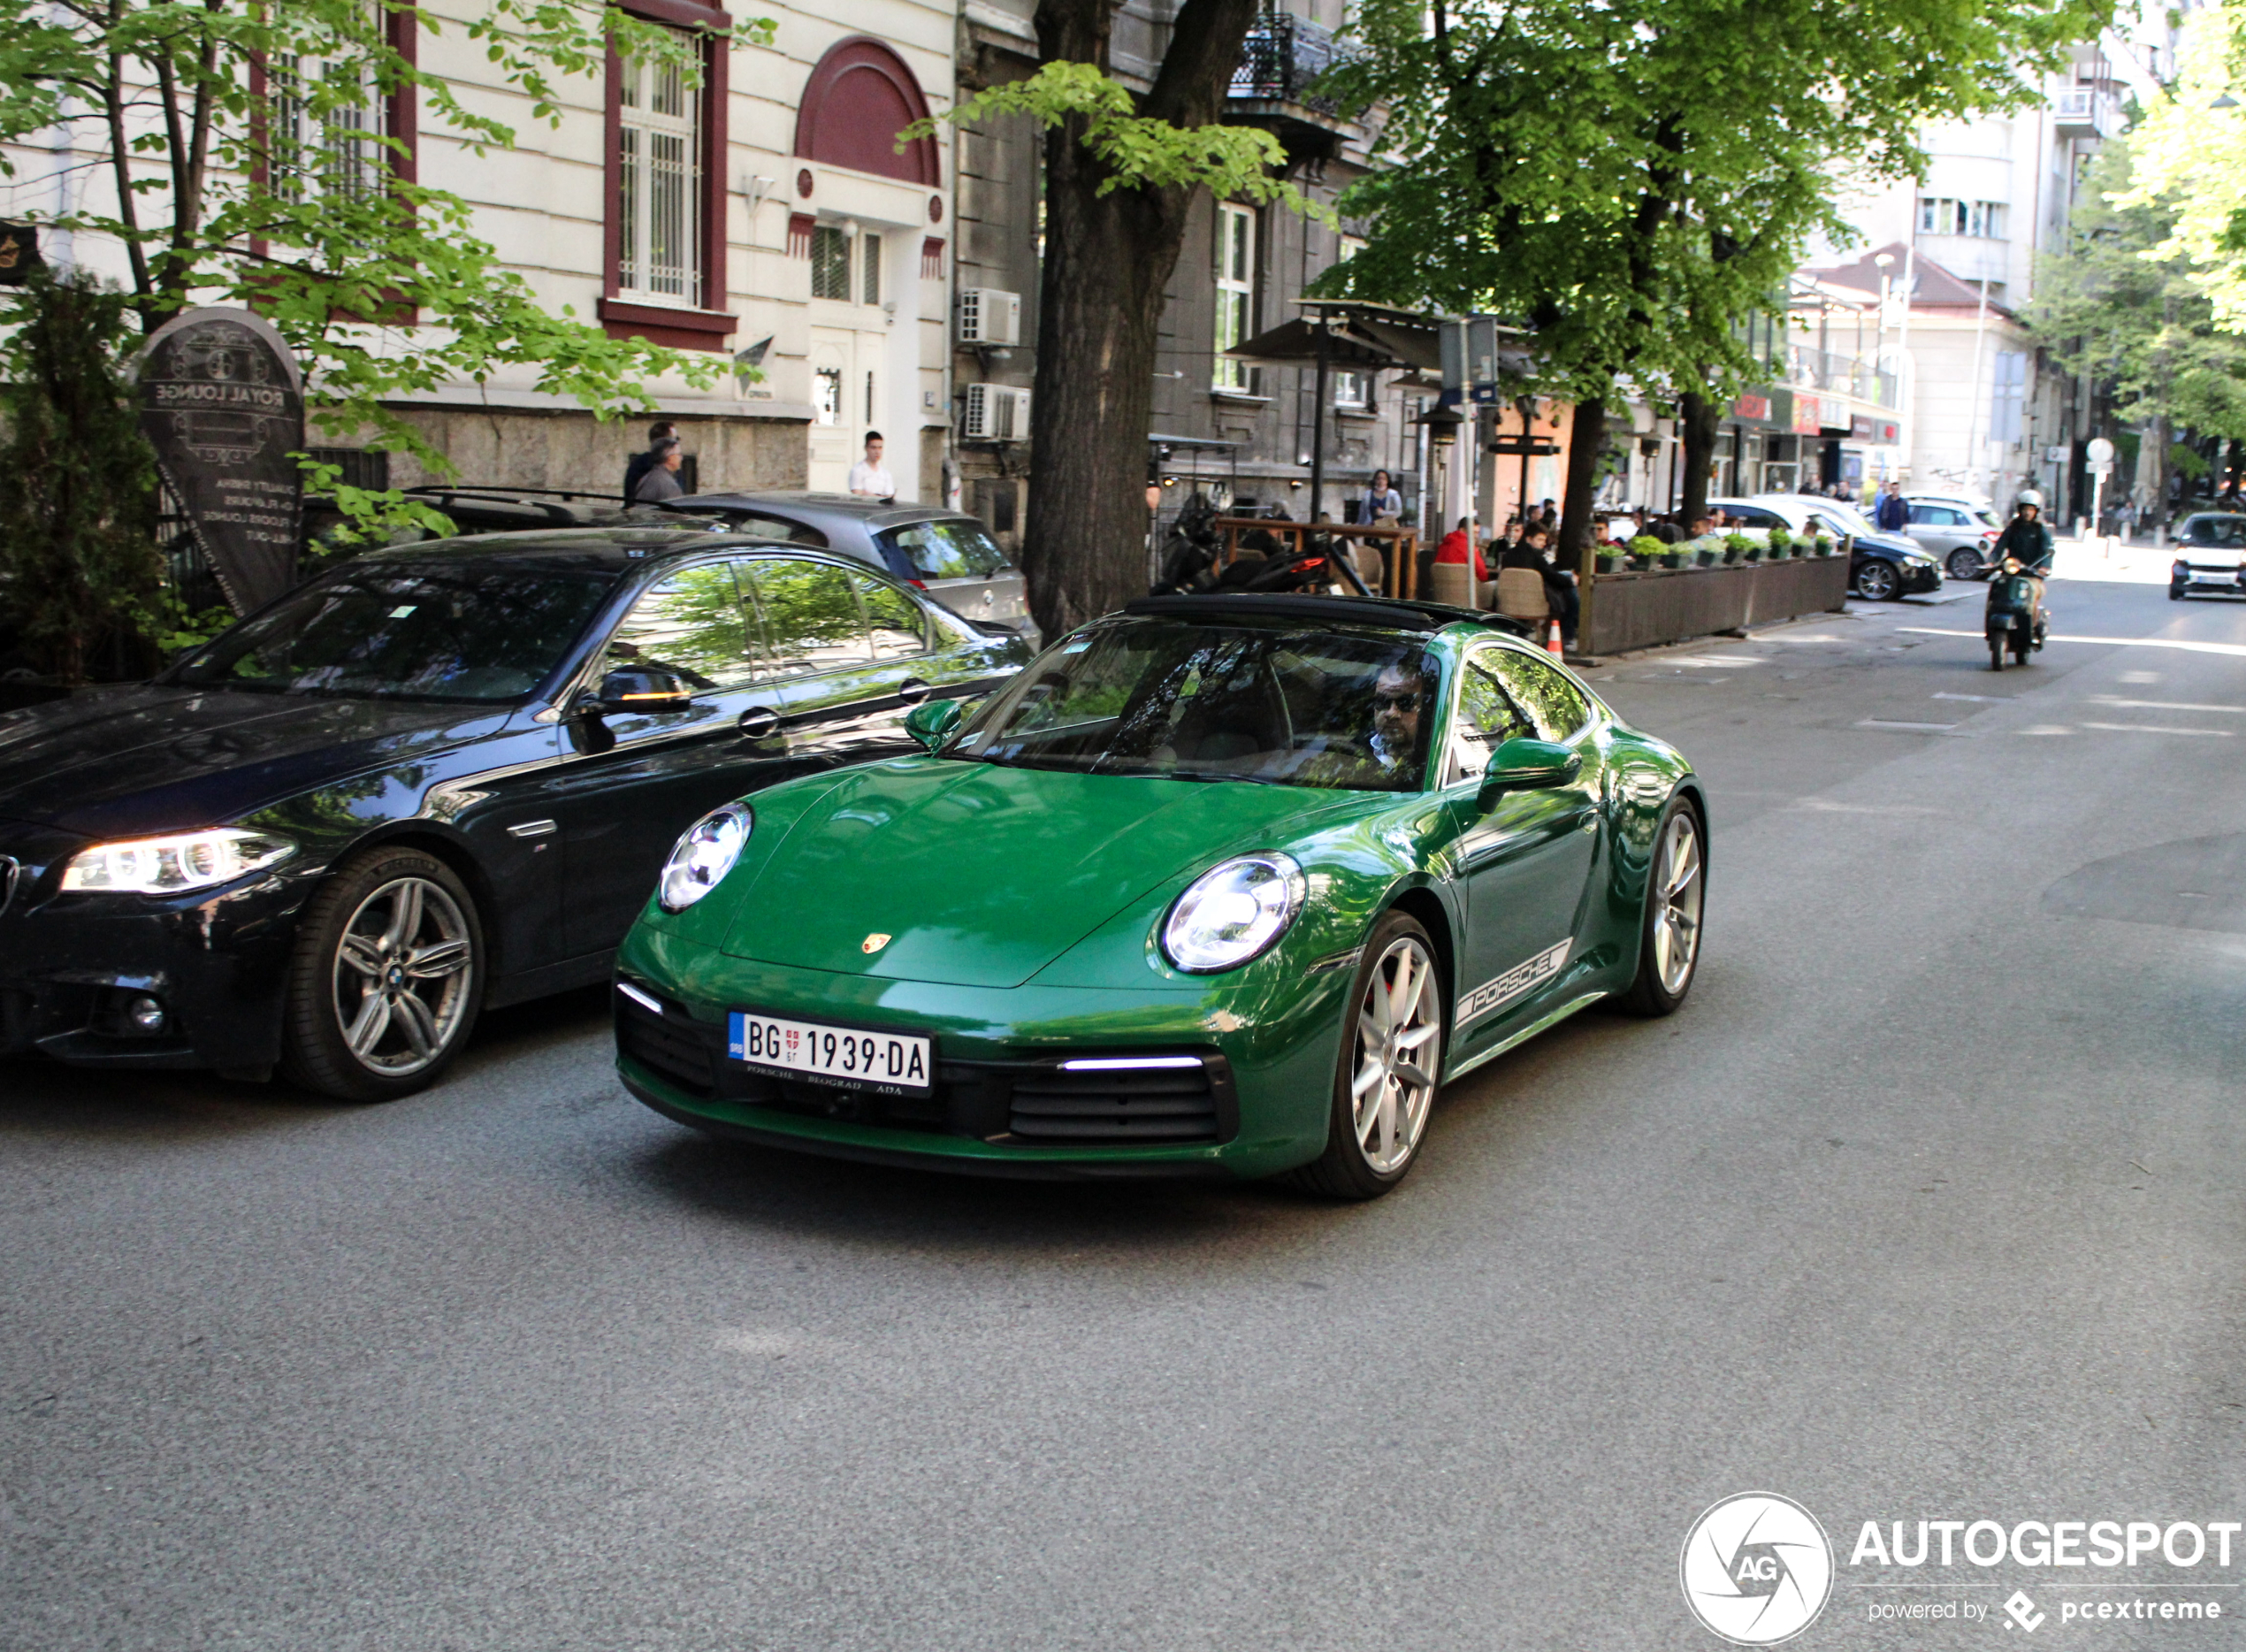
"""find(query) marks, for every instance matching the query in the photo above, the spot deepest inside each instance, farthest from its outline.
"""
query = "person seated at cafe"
(1457, 547)
(1561, 597)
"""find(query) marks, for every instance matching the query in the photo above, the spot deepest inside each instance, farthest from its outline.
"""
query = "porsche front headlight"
(1233, 913)
(704, 856)
(165, 866)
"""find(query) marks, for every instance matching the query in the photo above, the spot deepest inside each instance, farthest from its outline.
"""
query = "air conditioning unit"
(987, 315)
(998, 413)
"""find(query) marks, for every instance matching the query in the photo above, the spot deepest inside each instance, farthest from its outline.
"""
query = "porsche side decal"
(1515, 981)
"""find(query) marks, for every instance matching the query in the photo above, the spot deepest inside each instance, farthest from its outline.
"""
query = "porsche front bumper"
(1027, 1081)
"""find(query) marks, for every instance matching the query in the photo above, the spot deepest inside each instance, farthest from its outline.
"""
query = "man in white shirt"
(867, 476)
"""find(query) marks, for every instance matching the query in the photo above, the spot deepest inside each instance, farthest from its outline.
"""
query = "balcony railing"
(1841, 375)
(1283, 55)
(2084, 111)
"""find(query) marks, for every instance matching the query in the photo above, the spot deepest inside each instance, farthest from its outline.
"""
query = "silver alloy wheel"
(1965, 564)
(1399, 1034)
(402, 976)
(1676, 893)
(1877, 580)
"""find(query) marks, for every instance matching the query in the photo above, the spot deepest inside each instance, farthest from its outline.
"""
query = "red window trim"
(401, 117)
(625, 318)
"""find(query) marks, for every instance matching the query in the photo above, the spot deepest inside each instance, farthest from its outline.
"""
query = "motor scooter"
(2014, 618)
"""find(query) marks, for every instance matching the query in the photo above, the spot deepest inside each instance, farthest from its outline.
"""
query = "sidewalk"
(2116, 560)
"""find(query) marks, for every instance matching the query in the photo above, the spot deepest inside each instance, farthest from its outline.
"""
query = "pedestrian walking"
(644, 460)
(1893, 515)
(660, 481)
(869, 477)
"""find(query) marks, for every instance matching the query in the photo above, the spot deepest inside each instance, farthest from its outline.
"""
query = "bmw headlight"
(1233, 913)
(704, 856)
(165, 866)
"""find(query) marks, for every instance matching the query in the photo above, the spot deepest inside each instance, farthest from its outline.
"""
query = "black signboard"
(19, 253)
(223, 404)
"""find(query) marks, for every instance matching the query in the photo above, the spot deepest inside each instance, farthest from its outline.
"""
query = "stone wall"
(571, 450)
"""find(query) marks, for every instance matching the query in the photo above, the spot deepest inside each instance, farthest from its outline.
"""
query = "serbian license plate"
(852, 1056)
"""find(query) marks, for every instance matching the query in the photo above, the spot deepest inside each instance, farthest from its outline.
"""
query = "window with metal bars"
(830, 263)
(659, 215)
(328, 123)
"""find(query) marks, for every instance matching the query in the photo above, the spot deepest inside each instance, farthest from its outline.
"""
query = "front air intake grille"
(1114, 1105)
(670, 1045)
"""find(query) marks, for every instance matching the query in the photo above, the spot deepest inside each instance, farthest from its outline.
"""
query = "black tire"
(1877, 582)
(1996, 654)
(2019, 652)
(413, 933)
(2176, 593)
(1347, 1169)
(1660, 988)
(1964, 564)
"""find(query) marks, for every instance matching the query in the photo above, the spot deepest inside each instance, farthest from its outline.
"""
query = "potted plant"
(1705, 552)
(1781, 543)
(1644, 549)
(1736, 547)
(1609, 558)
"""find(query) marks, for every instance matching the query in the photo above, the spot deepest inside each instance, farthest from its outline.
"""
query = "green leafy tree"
(1634, 180)
(245, 164)
(1121, 171)
(80, 577)
(2128, 304)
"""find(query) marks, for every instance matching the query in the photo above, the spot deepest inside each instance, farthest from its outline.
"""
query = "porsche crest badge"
(873, 943)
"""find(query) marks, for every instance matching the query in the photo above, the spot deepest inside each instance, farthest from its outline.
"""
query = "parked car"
(1957, 535)
(434, 779)
(1220, 884)
(1881, 566)
(2211, 556)
(475, 508)
(948, 555)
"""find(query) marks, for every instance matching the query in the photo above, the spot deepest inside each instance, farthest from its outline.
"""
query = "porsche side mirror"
(1520, 765)
(933, 721)
(641, 688)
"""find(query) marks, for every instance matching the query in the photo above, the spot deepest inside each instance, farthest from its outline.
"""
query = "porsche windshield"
(487, 632)
(1268, 702)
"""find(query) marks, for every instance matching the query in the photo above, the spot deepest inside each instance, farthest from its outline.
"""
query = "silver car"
(1957, 534)
(947, 554)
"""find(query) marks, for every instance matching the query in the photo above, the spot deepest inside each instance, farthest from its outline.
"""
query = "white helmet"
(2029, 496)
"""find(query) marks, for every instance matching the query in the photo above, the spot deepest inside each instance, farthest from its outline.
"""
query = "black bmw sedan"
(436, 779)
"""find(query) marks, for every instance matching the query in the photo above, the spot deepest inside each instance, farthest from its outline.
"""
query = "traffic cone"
(1552, 642)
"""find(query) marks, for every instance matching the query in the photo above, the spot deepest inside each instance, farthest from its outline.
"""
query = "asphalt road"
(1926, 1207)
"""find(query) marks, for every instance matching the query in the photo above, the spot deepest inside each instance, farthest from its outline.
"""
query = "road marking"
(2158, 705)
(2154, 728)
(1716, 660)
(1908, 728)
(1827, 805)
(2233, 649)
(1979, 700)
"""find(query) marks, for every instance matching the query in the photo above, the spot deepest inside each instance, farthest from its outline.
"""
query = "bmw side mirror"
(933, 721)
(1520, 765)
(640, 688)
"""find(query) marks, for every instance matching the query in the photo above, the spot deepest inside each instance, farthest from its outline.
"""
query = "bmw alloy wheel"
(402, 976)
(1877, 581)
(1965, 564)
(1398, 1041)
(1676, 893)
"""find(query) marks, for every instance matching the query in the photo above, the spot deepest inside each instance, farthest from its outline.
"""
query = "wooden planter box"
(1624, 611)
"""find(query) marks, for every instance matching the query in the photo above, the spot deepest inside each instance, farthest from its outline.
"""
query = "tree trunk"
(1701, 422)
(1586, 446)
(1108, 262)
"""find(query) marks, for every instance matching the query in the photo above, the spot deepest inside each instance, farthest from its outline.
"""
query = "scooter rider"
(2027, 537)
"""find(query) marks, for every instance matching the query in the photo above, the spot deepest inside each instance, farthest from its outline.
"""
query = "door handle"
(912, 691)
(759, 723)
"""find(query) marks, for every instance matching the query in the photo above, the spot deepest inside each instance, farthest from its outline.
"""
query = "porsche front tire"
(1393, 1029)
(1669, 938)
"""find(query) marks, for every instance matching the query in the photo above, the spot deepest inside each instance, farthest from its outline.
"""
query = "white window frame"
(659, 215)
(344, 154)
(1235, 294)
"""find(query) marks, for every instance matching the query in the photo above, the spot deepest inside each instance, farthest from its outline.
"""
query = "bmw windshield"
(477, 633)
(1266, 703)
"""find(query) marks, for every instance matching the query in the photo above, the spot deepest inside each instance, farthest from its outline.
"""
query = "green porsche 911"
(1216, 884)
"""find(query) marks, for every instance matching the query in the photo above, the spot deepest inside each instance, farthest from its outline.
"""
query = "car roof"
(818, 508)
(2215, 515)
(611, 549)
(1390, 613)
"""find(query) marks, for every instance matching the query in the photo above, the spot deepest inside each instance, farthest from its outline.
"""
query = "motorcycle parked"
(2014, 618)
(1189, 558)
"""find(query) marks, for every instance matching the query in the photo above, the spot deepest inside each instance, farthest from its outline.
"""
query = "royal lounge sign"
(223, 404)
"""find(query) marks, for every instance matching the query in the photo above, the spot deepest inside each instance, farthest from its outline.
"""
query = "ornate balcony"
(1281, 59)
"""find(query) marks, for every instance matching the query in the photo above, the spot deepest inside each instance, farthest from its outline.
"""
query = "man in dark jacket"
(1892, 515)
(644, 460)
(2027, 538)
(1535, 553)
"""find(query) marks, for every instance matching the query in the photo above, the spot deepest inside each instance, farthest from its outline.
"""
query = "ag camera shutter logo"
(1756, 1568)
